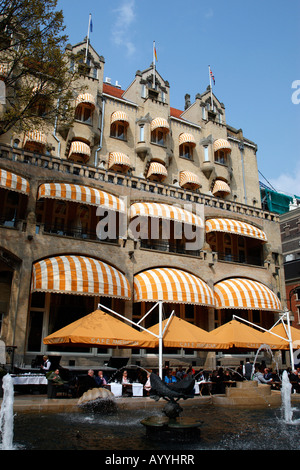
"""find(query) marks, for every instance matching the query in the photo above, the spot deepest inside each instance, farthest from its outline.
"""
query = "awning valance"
(222, 144)
(221, 186)
(186, 138)
(119, 116)
(70, 274)
(242, 293)
(78, 147)
(234, 226)
(118, 158)
(164, 211)
(85, 98)
(35, 137)
(187, 177)
(9, 180)
(160, 122)
(81, 194)
(156, 168)
(171, 285)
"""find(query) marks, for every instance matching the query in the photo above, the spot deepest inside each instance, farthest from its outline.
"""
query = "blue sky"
(251, 46)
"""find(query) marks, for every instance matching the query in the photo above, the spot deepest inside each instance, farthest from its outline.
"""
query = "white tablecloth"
(137, 390)
(30, 380)
(116, 389)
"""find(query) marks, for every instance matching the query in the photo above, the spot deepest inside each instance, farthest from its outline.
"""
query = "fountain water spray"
(286, 398)
(7, 413)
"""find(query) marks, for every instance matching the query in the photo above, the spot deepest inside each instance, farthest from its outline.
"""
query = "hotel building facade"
(135, 202)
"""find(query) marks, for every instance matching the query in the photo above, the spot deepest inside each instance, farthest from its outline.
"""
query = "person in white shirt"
(46, 364)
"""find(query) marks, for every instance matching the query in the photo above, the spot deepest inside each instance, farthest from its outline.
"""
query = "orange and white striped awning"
(13, 182)
(164, 211)
(222, 144)
(118, 158)
(156, 168)
(70, 274)
(81, 194)
(119, 116)
(85, 98)
(171, 285)
(221, 186)
(235, 226)
(81, 148)
(186, 138)
(242, 293)
(36, 137)
(187, 177)
(160, 122)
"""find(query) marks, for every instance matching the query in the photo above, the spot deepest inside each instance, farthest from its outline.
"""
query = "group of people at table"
(216, 380)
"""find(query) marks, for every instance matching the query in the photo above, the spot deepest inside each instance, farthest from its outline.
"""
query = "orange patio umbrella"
(179, 333)
(280, 330)
(235, 334)
(100, 329)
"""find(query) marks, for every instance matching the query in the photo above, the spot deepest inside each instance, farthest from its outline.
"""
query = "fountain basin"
(249, 394)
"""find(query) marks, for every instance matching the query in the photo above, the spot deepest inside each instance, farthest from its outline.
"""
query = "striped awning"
(119, 116)
(187, 177)
(235, 226)
(222, 144)
(171, 285)
(164, 211)
(186, 138)
(245, 293)
(70, 274)
(9, 180)
(81, 194)
(78, 147)
(221, 186)
(85, 98)
(160, 122)
(156, 168)
(36, 137)
(118, 158)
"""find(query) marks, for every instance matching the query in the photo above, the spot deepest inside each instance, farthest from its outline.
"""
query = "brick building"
(129, 154)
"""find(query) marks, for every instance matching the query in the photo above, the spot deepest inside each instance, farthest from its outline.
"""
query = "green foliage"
(40, 86)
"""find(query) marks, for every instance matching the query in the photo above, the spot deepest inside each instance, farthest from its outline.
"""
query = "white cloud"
(125, 16)
(288, 182)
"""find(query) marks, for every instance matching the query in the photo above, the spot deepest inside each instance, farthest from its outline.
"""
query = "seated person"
(126, 389)
(259, 376)
(125, 379)
(100, 379)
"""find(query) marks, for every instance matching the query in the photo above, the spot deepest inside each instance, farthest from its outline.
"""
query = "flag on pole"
(212, 76)
(91, 25)
(155, 55)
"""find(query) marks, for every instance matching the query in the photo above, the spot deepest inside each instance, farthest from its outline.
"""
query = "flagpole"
(153, 64)
(211, 98)
(88, 38)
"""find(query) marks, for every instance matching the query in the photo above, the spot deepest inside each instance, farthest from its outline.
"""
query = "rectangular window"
(206, 158)
(142, 134)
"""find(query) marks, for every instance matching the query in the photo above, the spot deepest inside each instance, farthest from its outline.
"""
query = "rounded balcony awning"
(164, 211)
(80, 148)
(172, 285)
(81, 275)
(190, 179)
(87, 99)
(235, 226)
(119, 116)
(156, 168)
(13, 182)
(242, 293)
(222, 144)
(186, 138)
(160, 122)
(118, 158)
(81, 194)
(221, 186)
(36, 137)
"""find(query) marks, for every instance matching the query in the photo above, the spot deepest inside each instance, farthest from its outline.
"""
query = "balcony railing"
(165, 245)
(243, 259)
(75, 232)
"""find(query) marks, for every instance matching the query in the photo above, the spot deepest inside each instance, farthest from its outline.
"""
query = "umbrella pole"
(290, 339)
(160, 364)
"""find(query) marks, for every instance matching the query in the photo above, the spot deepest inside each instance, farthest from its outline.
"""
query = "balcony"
(166, 246)
(73, 232)
(241, 258)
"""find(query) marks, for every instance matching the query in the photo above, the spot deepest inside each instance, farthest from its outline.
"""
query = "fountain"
(286, 388)
(7, 414)
(172, 425)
